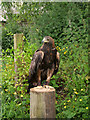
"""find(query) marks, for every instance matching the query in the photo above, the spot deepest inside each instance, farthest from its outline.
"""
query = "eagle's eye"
(47, 39)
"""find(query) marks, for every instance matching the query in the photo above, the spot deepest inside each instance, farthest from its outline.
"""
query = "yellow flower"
(59, 48)
(76, 92)
(69, 101)
(74, 69)
(80, 100)
(81, 89)
(16, 85)
(19, 104)
(64, 106)
(65, 52)
(87, 108)
(6, 89)
(66, 47)
(73, 106)
(74, 89)
(0, 86)
(21, 95)
(75, 98)
(14, 93)
(75, 45)
(64, 103)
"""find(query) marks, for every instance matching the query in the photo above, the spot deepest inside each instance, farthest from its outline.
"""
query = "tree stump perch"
(42, 102)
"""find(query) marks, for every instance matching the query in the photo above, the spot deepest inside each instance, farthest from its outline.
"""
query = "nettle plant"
(15, 100)
(72, 79)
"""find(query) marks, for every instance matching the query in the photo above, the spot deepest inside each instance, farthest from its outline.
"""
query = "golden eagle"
(45, 63)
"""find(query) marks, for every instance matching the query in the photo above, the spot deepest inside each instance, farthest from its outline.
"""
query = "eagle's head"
(48, 40)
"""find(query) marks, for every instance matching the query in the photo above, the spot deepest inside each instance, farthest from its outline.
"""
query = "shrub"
(15, 100)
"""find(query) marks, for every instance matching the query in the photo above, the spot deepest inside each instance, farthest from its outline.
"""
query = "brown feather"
(45, 62)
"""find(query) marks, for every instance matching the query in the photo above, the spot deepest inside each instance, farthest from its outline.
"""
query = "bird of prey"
(45, 63)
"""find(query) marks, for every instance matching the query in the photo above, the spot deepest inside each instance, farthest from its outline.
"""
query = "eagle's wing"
(35, 63)
(57, 62)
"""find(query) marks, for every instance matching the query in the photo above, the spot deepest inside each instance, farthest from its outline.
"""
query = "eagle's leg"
(39, 77)
(49, 75)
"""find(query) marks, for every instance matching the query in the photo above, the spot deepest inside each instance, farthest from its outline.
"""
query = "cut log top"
(45, 88)
(42, 102)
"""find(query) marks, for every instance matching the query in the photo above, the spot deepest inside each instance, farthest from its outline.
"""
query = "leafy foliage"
(67, 23)
(14, 97)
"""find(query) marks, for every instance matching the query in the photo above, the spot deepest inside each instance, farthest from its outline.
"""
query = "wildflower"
(75, 45)
(59, 48)
(81, 89)
(76, 92)
(6, 89)
(74, 89)
(69, 101)
(80, 100)
(21, 95)
(66, 47)
(74, 69)
(87, 108)
(75, 98)
(73, 106)
(14, 93)
(30, 58)
(64, 106)
(64, 103)
(0, 86)
(19, 104)
(16, 85)
(65, 52)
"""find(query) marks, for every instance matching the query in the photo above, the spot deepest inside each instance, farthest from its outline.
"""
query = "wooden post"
(18, 40)
(42, 102)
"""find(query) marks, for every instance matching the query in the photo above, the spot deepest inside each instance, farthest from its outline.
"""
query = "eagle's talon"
(39, 83)
(46, 86)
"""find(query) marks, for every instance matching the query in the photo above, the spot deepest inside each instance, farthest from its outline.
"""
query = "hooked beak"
(44, 40)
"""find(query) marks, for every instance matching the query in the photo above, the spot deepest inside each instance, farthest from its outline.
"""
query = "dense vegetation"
(67, 23)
